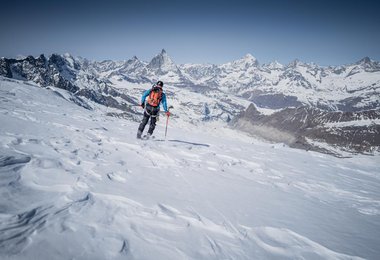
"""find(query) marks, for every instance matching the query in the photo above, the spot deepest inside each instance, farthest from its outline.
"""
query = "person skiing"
(155, 96)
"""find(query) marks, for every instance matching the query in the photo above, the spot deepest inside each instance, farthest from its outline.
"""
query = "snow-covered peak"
(162, 62)
(294, 63)
(365, 60)
(67, 55)
(134, 59)
(70, 60)
(64, 62)
(365, 64)
(275, 65)
(368, 63)
(308, 83)
(249, 56)
(242, 64)
(247, 61)
(19, 57)
(133, 64)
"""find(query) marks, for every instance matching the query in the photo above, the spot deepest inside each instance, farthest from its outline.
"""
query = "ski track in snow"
(78, 185)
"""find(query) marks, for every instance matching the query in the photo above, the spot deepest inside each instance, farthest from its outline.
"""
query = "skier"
(155, 96)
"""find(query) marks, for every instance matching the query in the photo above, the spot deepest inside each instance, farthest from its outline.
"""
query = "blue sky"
(326, 32)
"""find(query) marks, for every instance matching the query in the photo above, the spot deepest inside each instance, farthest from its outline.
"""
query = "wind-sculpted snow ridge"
(76, 184)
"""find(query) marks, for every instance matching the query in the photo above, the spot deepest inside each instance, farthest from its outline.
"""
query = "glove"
(142, 105)
(167, 113)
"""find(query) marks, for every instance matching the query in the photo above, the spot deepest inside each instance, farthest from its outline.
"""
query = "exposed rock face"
(317, 104)
(352, 87)
(302, 127)
(65, 72)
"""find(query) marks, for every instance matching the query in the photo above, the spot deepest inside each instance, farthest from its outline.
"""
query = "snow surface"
(76, 184)
(362, 122)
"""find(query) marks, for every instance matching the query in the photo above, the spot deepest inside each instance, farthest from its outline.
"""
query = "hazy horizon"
(21, 56)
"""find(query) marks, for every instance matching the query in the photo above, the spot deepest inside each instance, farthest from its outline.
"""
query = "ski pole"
(167, 122)
(166, 128)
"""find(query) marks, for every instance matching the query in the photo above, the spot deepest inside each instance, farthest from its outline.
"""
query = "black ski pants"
(152, 113)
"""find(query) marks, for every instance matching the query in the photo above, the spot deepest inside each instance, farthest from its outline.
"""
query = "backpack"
(155, 96)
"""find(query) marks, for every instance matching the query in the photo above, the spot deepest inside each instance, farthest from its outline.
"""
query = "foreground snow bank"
(77, 184)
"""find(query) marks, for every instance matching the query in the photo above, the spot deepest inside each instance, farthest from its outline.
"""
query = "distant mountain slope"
(306, 127)
(208, 92)
(66, 72)
(351, 87)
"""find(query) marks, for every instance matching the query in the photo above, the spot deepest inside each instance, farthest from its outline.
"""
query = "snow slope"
(78, 185)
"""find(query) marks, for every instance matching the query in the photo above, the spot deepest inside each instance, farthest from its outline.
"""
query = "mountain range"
(263, 96)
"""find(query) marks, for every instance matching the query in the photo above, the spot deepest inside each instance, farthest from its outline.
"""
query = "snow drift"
(77, 184)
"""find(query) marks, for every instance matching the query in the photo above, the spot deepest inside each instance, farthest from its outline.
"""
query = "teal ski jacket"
(163, 99)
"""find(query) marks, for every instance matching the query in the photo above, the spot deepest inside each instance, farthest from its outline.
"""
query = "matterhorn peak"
(365, 60)
(162, 62)
(165, 55)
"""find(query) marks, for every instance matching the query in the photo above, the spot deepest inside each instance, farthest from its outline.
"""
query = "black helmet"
(160, 83)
